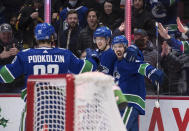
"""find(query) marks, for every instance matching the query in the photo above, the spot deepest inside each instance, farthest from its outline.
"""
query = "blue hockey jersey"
(107, 60)
(130, 78)
(44, 61)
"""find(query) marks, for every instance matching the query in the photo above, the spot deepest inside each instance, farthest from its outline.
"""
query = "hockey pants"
(130, 118)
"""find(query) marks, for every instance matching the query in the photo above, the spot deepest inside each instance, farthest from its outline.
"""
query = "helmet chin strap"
(104, 47)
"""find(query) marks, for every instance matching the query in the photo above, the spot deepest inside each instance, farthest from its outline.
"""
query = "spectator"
(86, 34)
(69, 37)
(109, 16)
(62, 24)
(182, 85)
(30, 15)
(148, 49)
(175, 65)
(81, 10)
(16, 33)
(142, 19)
(8, 50)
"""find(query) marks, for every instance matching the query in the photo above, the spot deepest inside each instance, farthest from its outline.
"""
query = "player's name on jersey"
(46, 58)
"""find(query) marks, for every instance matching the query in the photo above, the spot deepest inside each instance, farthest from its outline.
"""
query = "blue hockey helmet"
(44, 31)
(121, 39)
(103, 32)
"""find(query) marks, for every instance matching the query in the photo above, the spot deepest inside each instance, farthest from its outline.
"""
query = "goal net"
(69, 102)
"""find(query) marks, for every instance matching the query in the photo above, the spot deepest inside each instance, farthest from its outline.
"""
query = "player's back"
(44, 61)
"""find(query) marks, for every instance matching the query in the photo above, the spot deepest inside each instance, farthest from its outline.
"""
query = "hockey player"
(107, 57)
(130, 78)
(44, 59)
(183, 46)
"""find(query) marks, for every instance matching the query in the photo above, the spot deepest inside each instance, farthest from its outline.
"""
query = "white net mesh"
(95, 105)
(49, 105)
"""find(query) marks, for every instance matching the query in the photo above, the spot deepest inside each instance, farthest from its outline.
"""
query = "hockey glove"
(92, 54)
(131, 53)
(156, 75)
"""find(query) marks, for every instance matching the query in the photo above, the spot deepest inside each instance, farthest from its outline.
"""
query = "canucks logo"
(39, 32)
(116, 75)
(103, 69)
(159, 10)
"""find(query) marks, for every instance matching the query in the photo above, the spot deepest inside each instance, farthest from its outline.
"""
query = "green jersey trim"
(136, 100)
(86, 67)
(127, 114)
(142, 69)
(6, 75)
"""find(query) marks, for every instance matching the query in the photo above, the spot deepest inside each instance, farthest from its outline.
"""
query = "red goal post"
(69, 102)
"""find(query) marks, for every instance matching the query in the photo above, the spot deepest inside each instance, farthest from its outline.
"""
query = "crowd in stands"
(75, 22)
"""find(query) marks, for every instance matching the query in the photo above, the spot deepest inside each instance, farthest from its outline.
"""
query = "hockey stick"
(157, 65)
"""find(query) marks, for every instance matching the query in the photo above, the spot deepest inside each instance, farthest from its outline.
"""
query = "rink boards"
(172, 115)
